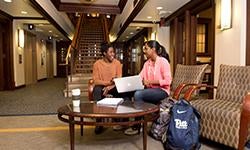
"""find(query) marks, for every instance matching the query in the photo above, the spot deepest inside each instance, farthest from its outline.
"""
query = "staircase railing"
(72, 52)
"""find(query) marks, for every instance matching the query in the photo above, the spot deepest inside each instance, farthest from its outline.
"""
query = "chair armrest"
(90, 89)
(244, 122)
(190, 91)
(178, 90)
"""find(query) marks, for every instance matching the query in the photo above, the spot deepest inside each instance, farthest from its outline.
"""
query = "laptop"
(128, 84)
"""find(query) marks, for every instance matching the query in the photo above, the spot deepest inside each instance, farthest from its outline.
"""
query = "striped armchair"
(185, 76)
(225, 118)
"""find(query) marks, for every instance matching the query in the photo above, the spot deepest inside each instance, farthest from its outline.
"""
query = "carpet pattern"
(44, 97)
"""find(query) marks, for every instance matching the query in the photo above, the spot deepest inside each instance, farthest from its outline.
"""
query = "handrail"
(74, 41)
(70, 57)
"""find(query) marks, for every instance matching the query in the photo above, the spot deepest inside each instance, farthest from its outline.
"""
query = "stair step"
(83, 93)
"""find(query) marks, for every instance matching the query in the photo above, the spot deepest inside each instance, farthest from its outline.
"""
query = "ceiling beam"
(131, 17)
(122, 4)
(197, 4)
(88, 8)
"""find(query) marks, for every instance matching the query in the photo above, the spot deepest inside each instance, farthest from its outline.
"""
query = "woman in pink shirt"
(156, 76)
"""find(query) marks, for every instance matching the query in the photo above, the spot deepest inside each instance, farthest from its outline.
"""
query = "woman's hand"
(146, 83)
(107, 89)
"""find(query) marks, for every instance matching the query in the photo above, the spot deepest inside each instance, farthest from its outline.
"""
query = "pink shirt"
(160, 70)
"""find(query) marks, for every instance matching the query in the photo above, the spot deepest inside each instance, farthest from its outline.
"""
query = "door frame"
(248, 34)
(9, 83)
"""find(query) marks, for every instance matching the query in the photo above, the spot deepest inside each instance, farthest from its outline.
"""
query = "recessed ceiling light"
(108, 16)
(8, 1)
(131, 33)
(50, 31)
(127, 37)
(159, 8)
(24, 12)
(138, 27)
(149, 17)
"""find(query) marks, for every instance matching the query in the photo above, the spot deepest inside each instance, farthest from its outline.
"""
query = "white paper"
(110, 101)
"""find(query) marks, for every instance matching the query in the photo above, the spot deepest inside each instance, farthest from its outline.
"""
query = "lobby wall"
(230, 44)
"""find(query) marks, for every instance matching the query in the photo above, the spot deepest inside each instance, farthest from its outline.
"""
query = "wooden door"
(29, 59)
(2, 80)
(49, 61)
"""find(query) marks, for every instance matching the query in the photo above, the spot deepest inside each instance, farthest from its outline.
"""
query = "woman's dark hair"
(160, 50)
(104, 47)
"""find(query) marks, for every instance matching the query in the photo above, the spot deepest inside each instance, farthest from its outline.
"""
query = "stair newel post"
(71, 64)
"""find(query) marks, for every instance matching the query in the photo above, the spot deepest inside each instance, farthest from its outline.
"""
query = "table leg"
(72, 132)
(145, 134)
(81, 126)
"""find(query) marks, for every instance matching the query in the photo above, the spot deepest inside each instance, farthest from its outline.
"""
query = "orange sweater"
(104, 72)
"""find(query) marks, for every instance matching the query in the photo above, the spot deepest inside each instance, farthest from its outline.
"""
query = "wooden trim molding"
(122, 4)
(194, 7)
(86, 8)
(187, 37)
(89, 8)
(145, 22)
(30, 18)
(131, 17)
(248, 35)
(4, 15)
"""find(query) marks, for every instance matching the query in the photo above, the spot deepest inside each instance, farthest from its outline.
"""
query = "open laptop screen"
(127, 84)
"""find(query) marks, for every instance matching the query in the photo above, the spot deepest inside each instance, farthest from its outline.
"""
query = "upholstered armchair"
(225, 119)
(185, 75)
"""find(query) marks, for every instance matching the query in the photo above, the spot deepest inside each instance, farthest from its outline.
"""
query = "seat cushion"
(220, 120)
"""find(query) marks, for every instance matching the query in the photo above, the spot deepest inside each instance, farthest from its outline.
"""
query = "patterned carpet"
(44, 97)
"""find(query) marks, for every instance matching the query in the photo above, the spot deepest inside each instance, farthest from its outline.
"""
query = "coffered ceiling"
(147, 16)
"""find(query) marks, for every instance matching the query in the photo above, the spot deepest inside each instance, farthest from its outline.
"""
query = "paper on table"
(110, 101)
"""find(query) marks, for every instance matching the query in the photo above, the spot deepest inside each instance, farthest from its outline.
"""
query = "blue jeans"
(150, 95)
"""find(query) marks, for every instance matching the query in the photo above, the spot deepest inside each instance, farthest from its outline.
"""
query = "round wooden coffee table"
(77, 115)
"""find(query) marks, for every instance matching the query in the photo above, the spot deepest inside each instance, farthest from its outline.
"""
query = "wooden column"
(187, 37)
(193, 40)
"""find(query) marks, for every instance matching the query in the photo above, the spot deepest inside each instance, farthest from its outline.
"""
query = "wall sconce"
(225, 14)
(20, 38)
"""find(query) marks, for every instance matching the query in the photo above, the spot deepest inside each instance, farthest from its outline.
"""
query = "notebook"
(128, 84)
(110, 101)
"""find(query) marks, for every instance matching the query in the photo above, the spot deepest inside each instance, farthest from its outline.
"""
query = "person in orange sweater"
(104, 71)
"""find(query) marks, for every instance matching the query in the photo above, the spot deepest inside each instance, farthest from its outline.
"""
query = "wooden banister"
(70, 57)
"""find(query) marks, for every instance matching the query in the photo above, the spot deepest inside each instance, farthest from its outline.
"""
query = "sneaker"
(117, 128)
(131, 131)
(98, 129)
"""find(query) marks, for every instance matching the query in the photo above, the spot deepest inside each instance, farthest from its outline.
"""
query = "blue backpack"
(183, 130)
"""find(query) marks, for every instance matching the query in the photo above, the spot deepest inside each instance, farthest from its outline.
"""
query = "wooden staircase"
(90, 37)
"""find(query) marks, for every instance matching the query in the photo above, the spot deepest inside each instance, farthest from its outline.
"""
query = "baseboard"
(20, 86)
(42, 79)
